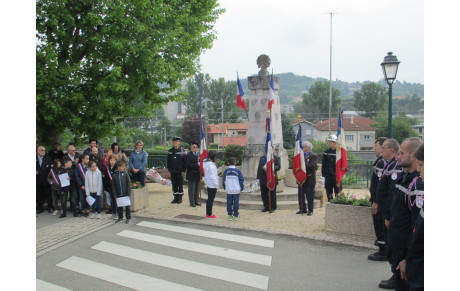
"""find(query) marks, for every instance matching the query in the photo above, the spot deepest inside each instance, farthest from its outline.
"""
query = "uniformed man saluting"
(176, 166)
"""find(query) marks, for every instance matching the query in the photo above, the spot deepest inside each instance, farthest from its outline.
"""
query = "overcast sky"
(296, 36)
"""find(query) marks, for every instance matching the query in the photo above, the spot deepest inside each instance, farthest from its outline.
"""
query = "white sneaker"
(91, 216)
(98, 216)
(54, 212)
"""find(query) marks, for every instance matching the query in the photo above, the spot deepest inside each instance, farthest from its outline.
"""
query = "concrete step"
(257, 204)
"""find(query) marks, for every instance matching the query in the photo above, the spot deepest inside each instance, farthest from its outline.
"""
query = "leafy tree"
(214, 91)
(98, 62)
(401, 126)
(191, 130)
(319, 146)
(288, 133)
(317, 100)
(410, 103)
(234, 150)
(371, 98)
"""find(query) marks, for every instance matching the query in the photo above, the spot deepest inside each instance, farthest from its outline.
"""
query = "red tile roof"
(359, 124)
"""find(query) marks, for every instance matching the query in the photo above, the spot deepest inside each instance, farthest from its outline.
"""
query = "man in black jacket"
(43, 189)
(176, 166)
(384, 194)
(377, 217)
(262, 176)
(328, 168)
(404, 211)
(308, 188)
(192, 162)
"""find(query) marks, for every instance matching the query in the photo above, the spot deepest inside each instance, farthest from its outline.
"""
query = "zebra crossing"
(144, 244)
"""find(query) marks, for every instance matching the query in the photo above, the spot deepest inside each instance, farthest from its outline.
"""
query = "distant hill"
(292, 85)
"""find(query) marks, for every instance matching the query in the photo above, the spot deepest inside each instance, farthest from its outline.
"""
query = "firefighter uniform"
(176, 166)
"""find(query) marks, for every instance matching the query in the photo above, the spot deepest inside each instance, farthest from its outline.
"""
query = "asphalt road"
(176, 256)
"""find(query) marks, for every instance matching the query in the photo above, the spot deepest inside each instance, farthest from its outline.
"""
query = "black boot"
(179, 199)
(175, 199)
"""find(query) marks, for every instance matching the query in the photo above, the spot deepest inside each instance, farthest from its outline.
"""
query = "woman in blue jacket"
(138, 163)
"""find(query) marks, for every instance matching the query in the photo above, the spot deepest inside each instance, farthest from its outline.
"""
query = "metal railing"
(157, 161)
(359, 173)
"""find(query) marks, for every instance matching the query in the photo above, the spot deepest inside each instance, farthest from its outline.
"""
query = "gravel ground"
(279, 222)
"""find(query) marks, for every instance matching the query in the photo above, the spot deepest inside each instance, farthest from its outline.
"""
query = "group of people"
(180, 161)
(86, 179)
(397, 197)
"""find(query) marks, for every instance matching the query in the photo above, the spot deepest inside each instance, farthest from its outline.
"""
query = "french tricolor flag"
(203, 150)
(298, 165)
(271, 94)
(341, 166)
(240, 94)
(269, 162)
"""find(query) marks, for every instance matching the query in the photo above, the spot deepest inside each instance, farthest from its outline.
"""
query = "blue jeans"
(83, 204)
(211, 195)
(139, 177)
(96, 205)
(233, 204)
(113, 202)
(74, 200)
(120, 212)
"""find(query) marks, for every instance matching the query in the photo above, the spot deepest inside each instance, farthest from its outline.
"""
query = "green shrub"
(348, 199)
(350, 179)
(234, 150)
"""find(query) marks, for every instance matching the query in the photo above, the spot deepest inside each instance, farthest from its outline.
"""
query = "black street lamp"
(390, 69)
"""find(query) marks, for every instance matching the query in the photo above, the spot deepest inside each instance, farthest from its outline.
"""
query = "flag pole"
(269, 191)
(201, 129)
(300, 185)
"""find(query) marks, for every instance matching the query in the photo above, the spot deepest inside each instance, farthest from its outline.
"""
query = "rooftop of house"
(354, 123)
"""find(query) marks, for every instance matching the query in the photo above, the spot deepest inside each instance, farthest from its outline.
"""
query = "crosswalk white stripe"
(200, 248)
(45, 286)
(119, 276)
(210, 271)
(210, 234)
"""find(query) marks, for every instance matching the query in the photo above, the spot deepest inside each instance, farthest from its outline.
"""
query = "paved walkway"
(280, 222)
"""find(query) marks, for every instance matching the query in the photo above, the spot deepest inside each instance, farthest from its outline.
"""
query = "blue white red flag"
(341, 166)
(269, 162)
(203, 150)
(240, 102)
(298, 165)
(271, 94)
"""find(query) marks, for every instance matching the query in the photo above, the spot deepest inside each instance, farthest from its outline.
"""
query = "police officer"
(176, 166)
(328, 167)
(377, 217)
(406, 204)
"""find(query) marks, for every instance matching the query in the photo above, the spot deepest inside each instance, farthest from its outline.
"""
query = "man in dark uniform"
(414, 267)
(328, 168)
(42, 188)
(192, 162)
(404, 210)
(262, 176)
(377, 217)
(308, 188)
(384, 196)
(176, 166)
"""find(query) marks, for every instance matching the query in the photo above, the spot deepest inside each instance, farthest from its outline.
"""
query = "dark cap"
(193, 143)
(176, 138)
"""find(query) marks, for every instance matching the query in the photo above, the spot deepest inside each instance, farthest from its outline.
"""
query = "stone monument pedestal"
(255, 148)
